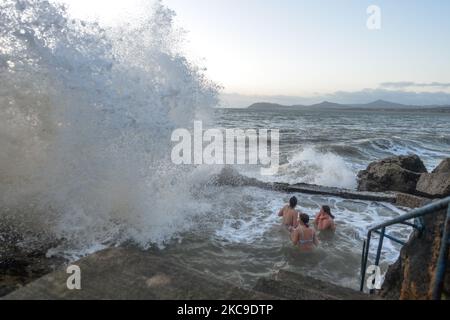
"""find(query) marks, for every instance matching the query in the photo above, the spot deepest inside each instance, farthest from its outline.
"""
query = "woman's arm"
(280, 214)
(316, 220)
(295, 220)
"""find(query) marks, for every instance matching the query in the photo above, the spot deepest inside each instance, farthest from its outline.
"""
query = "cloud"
(409, 84)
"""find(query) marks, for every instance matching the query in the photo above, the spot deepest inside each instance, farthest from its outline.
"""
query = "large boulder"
(444, 166)
(412, 276)
(399, 173)
(437, 183)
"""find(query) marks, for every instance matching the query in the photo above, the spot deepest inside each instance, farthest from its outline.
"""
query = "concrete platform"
(132, 274)
(289, 285)
(390, 197)
(126, 273)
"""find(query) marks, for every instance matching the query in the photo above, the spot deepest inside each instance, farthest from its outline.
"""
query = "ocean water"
(86, 116)
(243, 238)
(329, 147)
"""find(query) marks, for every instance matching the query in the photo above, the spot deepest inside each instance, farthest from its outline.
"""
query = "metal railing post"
(363, 253)
(442, 260)
(380, 246)
(364, 266)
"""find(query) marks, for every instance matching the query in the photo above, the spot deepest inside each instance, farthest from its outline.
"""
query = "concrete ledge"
(294, 286)
(411, 201)
(331, 291)
(127, 273)
(233, 178)
(132, 274)
(336, 192)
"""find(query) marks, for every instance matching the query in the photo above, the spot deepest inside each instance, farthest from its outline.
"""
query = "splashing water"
(86, 115)
(327, 169)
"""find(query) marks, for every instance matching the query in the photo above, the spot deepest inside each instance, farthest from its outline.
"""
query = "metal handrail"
(414, 214)
(442, 260)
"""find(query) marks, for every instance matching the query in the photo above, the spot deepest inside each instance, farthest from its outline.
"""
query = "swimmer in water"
(325, 220)
(304, 236)
(289, 214)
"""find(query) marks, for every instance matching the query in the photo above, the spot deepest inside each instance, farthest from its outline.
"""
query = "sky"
(306, 51)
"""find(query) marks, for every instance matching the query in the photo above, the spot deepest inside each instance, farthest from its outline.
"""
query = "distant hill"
(382, 104)
(269, 106)
(375, 105)
(327, 104)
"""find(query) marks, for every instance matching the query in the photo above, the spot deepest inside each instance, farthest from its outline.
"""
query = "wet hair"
(327, 210)
(305, 219)
(293, 202)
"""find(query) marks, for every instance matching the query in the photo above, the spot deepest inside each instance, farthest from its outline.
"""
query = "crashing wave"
(86, 115)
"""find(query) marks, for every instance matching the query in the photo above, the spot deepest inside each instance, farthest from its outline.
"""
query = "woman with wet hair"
(304, 236)
(325, 220)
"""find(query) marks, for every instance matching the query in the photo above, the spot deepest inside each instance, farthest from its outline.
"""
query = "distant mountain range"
(376, 105)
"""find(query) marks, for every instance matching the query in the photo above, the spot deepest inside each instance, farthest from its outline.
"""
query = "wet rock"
(444, 166)
(411, 277)
(437, 183)
(21, 263)
(400, 173)
(231, 177)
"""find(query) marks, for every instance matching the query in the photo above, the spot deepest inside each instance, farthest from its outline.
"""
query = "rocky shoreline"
(401, 180)
(406, 174)
(411, 277)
